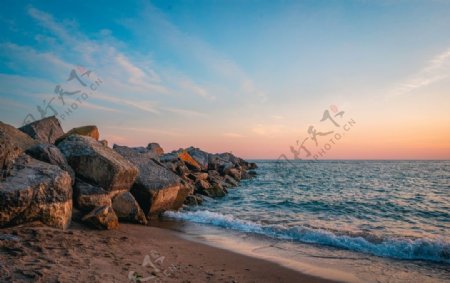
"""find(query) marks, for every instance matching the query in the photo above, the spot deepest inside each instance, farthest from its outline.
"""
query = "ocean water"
(391, 209)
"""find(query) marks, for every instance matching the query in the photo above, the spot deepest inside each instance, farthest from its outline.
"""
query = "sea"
(351, 221)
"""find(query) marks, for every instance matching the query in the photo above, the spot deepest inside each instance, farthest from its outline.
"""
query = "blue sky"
(242, 76)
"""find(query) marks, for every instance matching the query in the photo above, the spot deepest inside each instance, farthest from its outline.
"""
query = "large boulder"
(156, 188)
(189, 161)
(86, 196)
(200, 156)
(47, 130)
(127, 209)
(103, 218)
(87, 131)
(36, 191)
(98, 164)
(12, 143)
(51, 154)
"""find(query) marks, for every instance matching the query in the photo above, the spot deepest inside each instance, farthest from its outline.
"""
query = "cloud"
(436, 70)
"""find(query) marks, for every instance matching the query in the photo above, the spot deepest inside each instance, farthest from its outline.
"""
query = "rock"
(189, 161)
(125, 150)
(156, 148)
(200, 156)
(103, 218)
(198, 176)
(51, 154)
(205, 188)
(104, 142)
(12, 143)
(156, 188)
(87, 131)
(193, 200)
(231, 181)
(233, 172)
(47, 130)
(97, 164)
(169, 157)
(36, 191)
(87, 197)
(127, 208)
(252, 165)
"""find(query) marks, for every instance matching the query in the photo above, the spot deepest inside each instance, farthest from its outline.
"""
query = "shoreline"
(36, 252)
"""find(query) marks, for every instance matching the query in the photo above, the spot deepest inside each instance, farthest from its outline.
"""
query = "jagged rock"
(231, 181)
(198, 176)
(86, 196)
(47, 130)
(97, 164)
(103, 218)
(156, 188)
(200, 156)
(12, 143)
(189, 161)
(51, 154)
(87, 131)
(136, 150)
(104, 142)
(127, 208)
(36, 191)
(210, 190)
(156, 148)
(252, 165)
(193, 200)
(234, 172)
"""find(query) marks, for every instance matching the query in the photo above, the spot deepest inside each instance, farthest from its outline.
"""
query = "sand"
(35, 253)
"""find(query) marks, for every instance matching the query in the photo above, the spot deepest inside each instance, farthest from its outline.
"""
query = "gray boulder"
(127, 208)
(156, 188)
(36, 191)
(51, 154)
(86, 196)
(98, 164)
(47, 130)
(12, 143)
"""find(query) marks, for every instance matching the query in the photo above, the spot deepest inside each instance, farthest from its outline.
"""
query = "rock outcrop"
(47, 130)
(97, 164)
(36, 191)
(83, 179)
(156, 189)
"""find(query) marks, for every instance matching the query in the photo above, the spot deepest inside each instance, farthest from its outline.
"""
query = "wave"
(399, 248)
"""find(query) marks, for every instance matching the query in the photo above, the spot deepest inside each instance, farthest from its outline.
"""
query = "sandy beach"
(35, 253)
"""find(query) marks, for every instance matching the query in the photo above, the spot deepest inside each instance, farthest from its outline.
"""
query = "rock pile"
(50, 176)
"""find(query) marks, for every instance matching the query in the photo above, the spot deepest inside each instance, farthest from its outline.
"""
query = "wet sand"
(35, 253)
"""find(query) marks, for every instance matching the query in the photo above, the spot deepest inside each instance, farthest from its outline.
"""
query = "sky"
(261, 79)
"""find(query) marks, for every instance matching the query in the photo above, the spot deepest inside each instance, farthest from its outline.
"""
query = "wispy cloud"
(435, 70)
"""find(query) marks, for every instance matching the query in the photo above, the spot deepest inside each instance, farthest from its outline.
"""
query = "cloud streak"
(436, 70)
